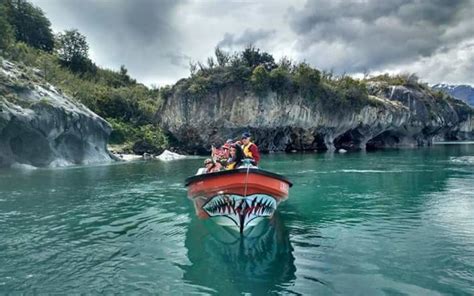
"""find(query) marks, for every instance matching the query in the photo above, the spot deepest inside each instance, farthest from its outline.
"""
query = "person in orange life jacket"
(250, 149)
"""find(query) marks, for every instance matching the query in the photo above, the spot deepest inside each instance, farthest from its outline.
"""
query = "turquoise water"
(386, 222)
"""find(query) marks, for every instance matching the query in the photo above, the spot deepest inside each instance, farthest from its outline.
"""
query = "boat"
(239, 198)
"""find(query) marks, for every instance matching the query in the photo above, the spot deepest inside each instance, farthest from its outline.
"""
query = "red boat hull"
(241, 196)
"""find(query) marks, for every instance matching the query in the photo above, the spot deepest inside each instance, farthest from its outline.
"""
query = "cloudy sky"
(156, 39)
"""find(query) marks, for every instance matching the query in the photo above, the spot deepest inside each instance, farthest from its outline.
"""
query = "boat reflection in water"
(226, 262)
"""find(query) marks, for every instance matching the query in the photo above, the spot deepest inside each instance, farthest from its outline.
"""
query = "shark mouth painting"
(240, 198)
(241, 210)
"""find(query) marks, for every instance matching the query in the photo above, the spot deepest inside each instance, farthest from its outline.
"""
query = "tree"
(210, 62)
(222, 57)
(252, 57)
(29, 24)
(6, 31)
(73, 50)
(286, 63)
(192, 68)
(123, 73)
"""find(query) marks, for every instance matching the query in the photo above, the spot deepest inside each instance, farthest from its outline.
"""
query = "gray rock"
(399, 116)
(42, 127)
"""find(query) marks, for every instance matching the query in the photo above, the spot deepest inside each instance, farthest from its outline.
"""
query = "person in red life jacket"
(250, 149)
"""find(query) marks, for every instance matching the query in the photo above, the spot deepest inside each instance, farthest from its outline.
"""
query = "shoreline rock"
(41, 127)
(169, 156)
(165, 156)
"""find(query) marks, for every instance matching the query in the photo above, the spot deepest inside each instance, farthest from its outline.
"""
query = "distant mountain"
(463, 92)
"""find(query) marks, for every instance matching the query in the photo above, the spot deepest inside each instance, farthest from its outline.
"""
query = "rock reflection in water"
(260, 261)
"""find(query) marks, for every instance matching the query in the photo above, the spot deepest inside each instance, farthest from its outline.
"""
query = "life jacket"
(247, 152)
(230, 166)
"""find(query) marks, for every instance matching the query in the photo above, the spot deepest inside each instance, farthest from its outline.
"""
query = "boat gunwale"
(201, 177)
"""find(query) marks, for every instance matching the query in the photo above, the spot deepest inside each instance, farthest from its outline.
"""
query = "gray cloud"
(454, 66)
(155, 39)
(373, 35)
(140, 34)
(177, 59)
(249, 36)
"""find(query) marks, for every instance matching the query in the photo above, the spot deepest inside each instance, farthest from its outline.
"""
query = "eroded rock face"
(397, 116)
(41, 127)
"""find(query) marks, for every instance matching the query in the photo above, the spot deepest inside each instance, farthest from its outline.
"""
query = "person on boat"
(236, 156)
(212, 166)
(221, 154)
(250, 149)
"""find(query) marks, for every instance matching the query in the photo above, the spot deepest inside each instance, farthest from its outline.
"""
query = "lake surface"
(386, 222)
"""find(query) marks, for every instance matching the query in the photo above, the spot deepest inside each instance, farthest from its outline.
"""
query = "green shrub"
(307, 80)
(125, 132)
(153, 135)
(280, 81)
(260, 80)
(352, 89)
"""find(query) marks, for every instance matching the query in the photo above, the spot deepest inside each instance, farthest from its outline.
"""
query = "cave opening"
(349, 140)
(386, 139)
(318, 143)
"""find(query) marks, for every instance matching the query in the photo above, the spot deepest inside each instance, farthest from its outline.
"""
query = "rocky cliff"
(394, 115)
(40, 126)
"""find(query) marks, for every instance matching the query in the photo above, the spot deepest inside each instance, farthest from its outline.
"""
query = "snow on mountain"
(463, 92)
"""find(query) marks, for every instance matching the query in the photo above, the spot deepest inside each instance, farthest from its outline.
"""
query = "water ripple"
(392, 222)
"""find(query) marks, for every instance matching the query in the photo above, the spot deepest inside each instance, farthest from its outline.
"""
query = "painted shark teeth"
(241, 209)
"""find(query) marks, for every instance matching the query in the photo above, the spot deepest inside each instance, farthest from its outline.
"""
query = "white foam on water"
(350, 171)
(370, 171)
(468, 160)
(59, 162)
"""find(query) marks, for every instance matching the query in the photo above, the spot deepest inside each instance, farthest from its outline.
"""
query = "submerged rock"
(393, 116)
(41, 127)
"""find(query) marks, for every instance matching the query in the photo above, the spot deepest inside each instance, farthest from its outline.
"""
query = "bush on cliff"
(306, 80)
(405, 79)
(260, 80)
(255, 71)
(281, 81)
